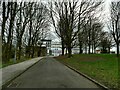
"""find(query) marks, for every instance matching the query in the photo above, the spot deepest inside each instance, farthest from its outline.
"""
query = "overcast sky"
(104, 17)
(52, 35)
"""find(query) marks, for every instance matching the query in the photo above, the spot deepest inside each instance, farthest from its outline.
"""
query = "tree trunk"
(69, 51)
(109, 50)
(92, 48)
(89, 43)
(32, 52)
(66, 51)
(9, 38)
(89, 49)
(80, 47)
(85, 48)
(63, 47)
(117, 49)
(19, 43)
(4, 53)
(19, 52)
(39, 54)
(29, 42)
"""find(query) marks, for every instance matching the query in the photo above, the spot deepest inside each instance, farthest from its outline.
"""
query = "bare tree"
(105, 42)
(58, 12)
(38, 27)
(20, 19)
(115, 23)
(5, 15)
(86, 11)
(11, 9)
(68, 16)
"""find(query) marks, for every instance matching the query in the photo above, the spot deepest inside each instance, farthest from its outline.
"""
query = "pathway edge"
(86, 76)
(17, 75)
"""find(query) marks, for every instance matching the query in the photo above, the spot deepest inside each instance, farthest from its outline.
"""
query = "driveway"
(49, 73)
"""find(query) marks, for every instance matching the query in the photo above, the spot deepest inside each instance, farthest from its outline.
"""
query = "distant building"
(47, 44)
(75, 51)
(56, 48)
(98, 51)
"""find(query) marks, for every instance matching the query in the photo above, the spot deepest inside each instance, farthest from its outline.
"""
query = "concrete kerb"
(89, 78)
(17, 75)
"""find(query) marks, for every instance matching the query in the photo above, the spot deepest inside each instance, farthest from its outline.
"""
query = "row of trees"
(23, 24)
(77, 24)
(114, 25)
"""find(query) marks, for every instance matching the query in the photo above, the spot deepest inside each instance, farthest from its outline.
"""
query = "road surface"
(49, 73)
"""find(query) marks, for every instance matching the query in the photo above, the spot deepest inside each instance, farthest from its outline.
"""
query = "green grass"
(101, 67)
(11, 62)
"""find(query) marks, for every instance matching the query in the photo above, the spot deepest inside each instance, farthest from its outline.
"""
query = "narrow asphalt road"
(49, 73)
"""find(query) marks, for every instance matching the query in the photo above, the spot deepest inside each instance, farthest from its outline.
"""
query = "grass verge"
(11, 62)
(101, 67)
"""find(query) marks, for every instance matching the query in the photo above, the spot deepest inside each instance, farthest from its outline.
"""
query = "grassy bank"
(11, 62)
(101, 67)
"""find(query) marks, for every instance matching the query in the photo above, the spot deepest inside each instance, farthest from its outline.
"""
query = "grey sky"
(52, 35)
(104, 16)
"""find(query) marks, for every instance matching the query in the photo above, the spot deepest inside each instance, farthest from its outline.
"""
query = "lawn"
(101, 67)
